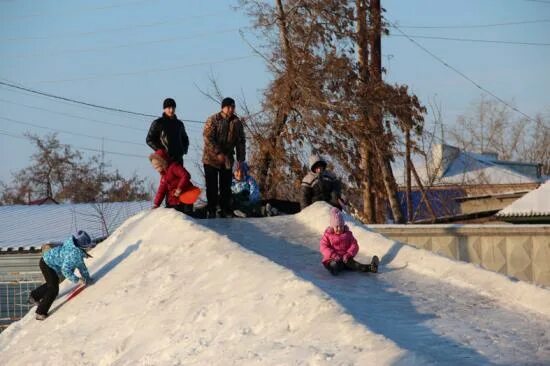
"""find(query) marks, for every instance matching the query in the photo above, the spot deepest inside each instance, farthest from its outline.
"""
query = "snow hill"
(175, 291)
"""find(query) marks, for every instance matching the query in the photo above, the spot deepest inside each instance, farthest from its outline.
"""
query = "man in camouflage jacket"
(223, 137)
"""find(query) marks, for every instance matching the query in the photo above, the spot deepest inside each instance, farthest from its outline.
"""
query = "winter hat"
(242, 166)
(336, 218)
(169, 102)
(82, 240)
(228, 102)
(316, 159)
(160, 155)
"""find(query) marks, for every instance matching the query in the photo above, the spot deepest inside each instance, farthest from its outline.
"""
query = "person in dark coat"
(223, 137)
(168, 133)
(320, 184)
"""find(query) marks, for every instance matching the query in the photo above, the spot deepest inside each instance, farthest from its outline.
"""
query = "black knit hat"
(228, 102)
(169, 102)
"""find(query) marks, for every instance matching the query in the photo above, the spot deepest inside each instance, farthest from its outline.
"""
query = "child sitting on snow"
(174, 180)
(245, 192)
(339, 247)
(61, 261)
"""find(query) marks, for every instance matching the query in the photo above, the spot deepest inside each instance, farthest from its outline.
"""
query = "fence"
(518, 251)
(14, 292)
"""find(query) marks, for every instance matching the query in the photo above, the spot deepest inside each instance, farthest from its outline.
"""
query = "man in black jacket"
(168, 133)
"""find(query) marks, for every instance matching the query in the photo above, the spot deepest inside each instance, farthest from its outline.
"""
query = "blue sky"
(132, 54)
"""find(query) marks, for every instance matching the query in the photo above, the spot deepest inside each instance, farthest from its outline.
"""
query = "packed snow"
(534, 203)
(172, 290)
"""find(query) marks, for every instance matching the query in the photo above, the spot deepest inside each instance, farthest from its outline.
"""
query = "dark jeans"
(183, 208)
(218, 188)
(336, 267)
(286, 207)
(46, 293)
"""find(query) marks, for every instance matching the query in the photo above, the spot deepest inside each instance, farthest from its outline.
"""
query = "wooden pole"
(408, 174)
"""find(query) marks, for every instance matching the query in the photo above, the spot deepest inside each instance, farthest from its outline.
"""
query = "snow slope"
(172, 290)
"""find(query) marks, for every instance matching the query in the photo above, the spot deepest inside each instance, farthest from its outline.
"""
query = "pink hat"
(336, 218)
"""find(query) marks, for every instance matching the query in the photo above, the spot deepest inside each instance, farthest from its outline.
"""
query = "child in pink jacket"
(339, 247)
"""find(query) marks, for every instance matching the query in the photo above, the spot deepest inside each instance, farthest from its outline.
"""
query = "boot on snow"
(41, 316)
(374, 264)
(32, 301)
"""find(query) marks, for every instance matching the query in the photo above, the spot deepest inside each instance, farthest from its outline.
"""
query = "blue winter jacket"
(247, 184)
(65, 259)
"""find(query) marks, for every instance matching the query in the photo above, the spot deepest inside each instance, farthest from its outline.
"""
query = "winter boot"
(374, 264)
(41, 316)
(333, 268)
(32, 301)
(239, 213)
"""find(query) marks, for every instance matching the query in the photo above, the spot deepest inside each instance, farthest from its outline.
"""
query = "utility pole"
(369, 206)
(381, 147)
(408, 173)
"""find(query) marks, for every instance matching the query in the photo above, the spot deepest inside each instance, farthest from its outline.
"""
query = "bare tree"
(491, 127)
(59, 172)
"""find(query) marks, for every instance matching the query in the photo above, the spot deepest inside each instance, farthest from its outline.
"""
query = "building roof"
(24, 226)
(534, 204)
(448, 165)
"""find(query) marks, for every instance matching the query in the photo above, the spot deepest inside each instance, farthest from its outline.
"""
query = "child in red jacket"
(339, 247)
(174, 179)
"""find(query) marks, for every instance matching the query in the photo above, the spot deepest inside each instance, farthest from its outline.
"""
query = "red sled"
(75, 292)
(190, 196)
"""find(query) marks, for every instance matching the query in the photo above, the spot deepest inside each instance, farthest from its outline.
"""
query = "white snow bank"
(534, 203)
(508, 292)
(171, 291)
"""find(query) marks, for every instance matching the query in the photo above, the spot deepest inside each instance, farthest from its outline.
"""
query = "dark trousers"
(336, 267)
(183, 208)
(218, 188)
(46, 293)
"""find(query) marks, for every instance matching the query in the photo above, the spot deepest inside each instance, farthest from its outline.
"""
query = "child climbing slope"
(61, 261)
(339, 247)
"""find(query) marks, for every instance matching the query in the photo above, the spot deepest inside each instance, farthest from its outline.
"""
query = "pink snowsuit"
(338, 246)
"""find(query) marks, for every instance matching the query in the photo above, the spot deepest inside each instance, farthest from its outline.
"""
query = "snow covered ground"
(172, 291)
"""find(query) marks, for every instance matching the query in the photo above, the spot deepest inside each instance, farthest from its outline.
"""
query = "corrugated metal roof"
(23, 227)
(534, 204)
(468, 168)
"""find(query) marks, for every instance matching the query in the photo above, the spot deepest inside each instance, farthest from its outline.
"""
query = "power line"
(464, 76)
(73, 115)
(110, 30)
(473, 40)
(96, 8)
(69, 132)
(6, 133)
(112, 109)
(465, 26)
(147, 71)
(124, 45)
(87, 118)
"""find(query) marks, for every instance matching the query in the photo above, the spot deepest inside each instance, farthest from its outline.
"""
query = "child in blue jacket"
(61, 261)
(245, 192)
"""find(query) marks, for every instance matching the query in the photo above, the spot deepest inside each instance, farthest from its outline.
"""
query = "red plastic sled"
(75, 292)
(190, 196)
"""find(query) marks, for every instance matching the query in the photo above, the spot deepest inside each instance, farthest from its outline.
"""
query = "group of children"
(338, 246)
(175, 179)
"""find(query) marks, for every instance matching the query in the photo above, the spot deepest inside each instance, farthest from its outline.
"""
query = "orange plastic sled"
(190, 196)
